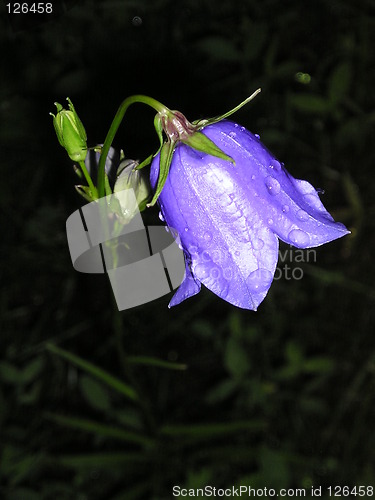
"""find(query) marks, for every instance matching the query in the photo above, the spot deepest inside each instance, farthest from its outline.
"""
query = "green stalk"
(88, 179)
(153, 103)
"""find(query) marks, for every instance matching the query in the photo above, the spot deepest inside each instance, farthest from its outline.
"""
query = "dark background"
(280, 398)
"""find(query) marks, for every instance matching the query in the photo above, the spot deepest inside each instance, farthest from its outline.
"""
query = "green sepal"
(159, 130)
(202, 143)
(85, 192)
(146, 162)
(77, 121)
(142, 206)
(107, 187)
(215, 119)
(166, 155)
(78, 171)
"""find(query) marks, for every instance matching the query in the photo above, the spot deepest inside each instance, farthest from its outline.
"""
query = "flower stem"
(88, 179)
(160, 108)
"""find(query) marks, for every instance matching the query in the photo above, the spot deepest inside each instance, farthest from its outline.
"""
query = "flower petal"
(189, 287)
(226, 244)
(290, 207)
(229, 216)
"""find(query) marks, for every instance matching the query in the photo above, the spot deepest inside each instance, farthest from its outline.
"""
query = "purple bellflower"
(218, 187)
(230, 215)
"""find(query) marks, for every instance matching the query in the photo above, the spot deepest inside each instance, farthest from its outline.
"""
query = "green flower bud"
(70, 131)
(129, 178)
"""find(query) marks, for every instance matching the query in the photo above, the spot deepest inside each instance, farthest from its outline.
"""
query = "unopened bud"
(70, 131)
(127, 180)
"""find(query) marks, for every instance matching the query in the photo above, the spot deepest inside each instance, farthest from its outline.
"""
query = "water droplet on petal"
(232, 134)
(207, 236)
(257, 136)
(217, 256)
(232, 196)
(202, 271)
(215, 273)
(272, 185)
(193, 249)
(224, 290)
(253, 177)
(258, 243)
(186, 229)
(259, 280)
(275, 165)
(161, 217)
(285, 209)
(270, 221)
(167, 229)
(237, 253)
(299, 238)
(314, 201)
(206, 256)
(242, 129)
(228, 273)
(302, 215)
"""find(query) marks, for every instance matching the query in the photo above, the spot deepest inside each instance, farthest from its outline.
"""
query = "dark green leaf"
(102, 375)
(309, 103)
(100, 429)
(94, 393)
(339, 82)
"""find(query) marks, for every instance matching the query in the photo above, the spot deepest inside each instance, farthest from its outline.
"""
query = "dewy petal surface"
(229, 217)
(289, 206)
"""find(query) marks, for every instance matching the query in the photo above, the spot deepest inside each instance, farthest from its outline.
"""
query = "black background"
(280, 398)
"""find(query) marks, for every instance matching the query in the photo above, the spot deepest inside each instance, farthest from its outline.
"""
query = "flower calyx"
(178, 129)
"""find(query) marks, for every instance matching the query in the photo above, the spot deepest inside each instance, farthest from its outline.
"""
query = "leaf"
(219, 48)
(108, 379)
(10, 373)
(339, 82)
(275, 467)
(150, 361)
(235, 359)
(212, 430)
(222, 391)
(99, 429)
(293, 353)
(319, 365)
(31, 395)
(23, 494)
(101, 460)
(255, 41)
(32, 370)
(95, 394)
(13, 375)
(309, 103)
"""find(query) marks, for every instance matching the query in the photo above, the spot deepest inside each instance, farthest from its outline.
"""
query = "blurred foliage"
(97, 404)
